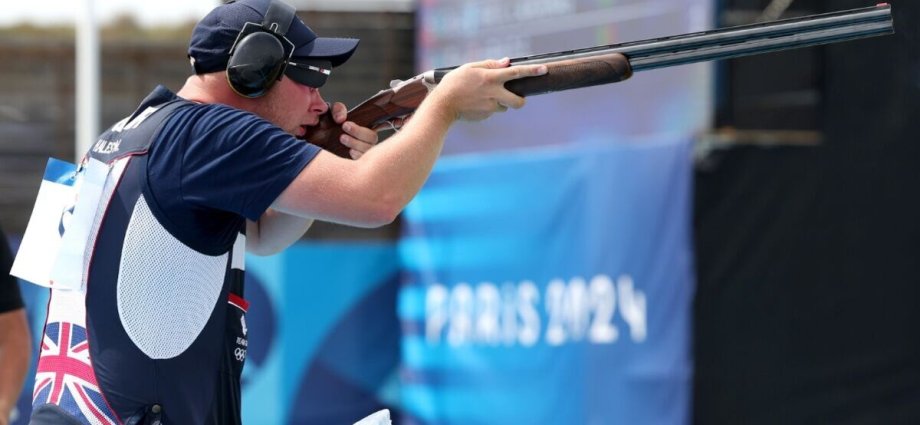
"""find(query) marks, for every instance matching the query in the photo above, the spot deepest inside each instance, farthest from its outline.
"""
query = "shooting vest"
(155, 332)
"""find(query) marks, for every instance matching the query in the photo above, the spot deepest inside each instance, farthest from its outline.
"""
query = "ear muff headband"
(261, 52)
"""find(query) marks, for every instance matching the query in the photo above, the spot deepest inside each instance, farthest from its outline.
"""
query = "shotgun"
(617, 62)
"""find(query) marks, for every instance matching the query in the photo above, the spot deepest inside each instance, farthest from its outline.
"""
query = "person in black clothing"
(14, 335)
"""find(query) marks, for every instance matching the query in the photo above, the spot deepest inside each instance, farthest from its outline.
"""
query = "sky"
(147, 12)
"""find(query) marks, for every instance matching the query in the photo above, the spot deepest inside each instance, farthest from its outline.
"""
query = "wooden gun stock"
(372, 113)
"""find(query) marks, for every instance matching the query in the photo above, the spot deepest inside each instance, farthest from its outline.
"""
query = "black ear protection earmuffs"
(261, 52)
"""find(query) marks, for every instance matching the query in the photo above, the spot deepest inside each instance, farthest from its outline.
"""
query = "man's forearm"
(274, 232)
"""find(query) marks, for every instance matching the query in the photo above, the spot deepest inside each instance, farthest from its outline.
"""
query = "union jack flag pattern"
(65, 376)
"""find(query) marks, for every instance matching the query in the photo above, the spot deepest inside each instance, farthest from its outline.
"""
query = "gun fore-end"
(573, 74)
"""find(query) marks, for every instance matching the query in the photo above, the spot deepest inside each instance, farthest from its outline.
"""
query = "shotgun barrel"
(733, 42)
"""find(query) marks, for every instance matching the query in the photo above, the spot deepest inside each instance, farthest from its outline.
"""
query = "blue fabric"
(550, 287)
(331, 329)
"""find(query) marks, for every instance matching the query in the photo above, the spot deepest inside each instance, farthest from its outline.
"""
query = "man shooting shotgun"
(168, 200)
(146, 317)
(617, 62)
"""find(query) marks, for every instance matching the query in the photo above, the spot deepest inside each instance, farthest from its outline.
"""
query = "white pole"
(87, 95)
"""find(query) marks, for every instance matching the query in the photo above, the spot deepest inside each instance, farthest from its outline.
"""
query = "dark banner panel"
(806, 308)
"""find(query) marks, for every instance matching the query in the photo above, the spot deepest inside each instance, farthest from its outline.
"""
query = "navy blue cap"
(212, 38)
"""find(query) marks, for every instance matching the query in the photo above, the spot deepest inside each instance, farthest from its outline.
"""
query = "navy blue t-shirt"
(212, 165)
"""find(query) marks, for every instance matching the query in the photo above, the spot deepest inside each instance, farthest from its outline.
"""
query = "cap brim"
(335, 50)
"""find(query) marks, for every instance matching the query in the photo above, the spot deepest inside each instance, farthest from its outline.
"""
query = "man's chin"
(300, 132)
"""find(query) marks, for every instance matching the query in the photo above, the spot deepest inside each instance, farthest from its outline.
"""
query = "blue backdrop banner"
(324, 339)
(550, 287)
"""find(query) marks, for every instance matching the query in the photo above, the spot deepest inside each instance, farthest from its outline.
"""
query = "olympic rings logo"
(240, 354)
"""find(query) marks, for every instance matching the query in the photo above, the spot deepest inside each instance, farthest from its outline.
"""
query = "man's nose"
(320, 105)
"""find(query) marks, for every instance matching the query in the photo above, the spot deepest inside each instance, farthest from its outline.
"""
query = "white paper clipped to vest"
(58, 233)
